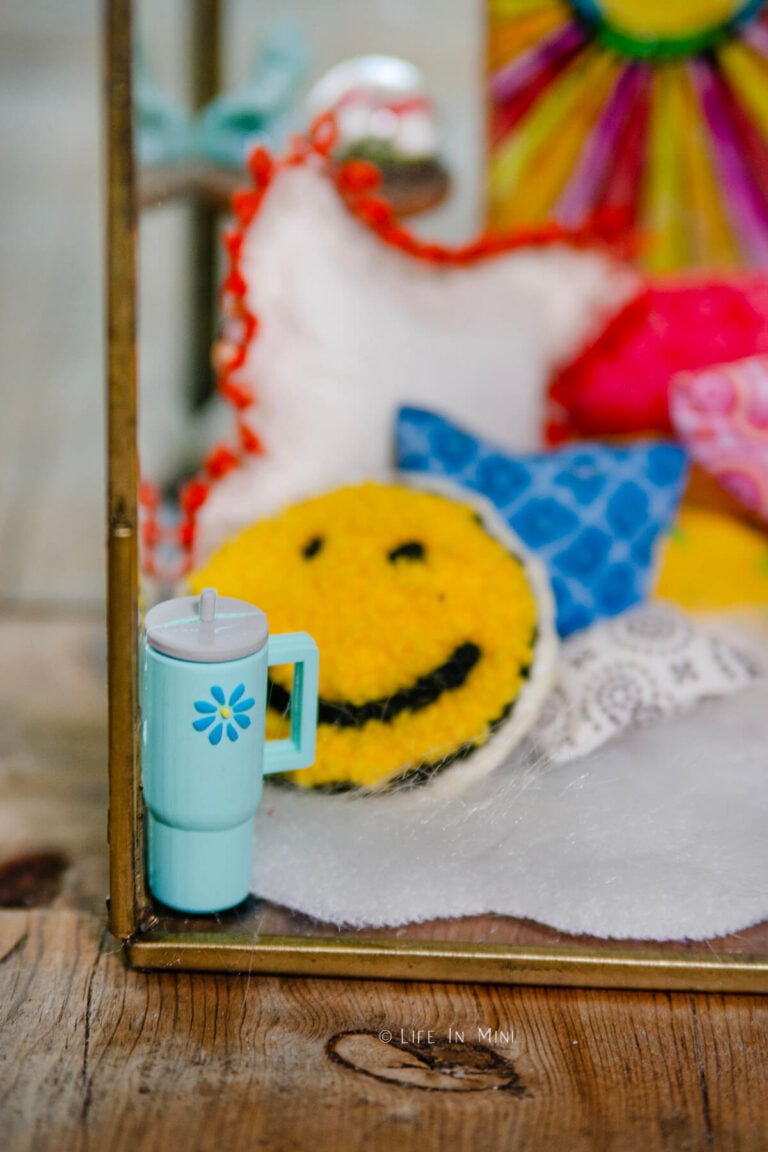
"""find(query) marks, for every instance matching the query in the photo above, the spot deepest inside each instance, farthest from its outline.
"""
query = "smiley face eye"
(409, 550)
(312, 547)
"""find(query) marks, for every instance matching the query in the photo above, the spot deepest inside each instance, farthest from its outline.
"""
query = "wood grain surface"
(95, 1056)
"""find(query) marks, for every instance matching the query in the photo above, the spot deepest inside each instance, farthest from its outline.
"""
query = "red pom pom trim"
(193, 495)
(220, 461)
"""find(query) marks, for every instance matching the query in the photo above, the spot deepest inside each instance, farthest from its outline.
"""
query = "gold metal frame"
(224, 948)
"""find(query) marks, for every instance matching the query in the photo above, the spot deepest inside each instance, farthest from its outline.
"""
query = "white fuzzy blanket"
(659, 834)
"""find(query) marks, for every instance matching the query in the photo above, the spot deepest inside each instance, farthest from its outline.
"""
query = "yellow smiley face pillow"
(435, 629)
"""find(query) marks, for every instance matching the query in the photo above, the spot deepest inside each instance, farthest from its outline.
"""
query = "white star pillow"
(336, 315)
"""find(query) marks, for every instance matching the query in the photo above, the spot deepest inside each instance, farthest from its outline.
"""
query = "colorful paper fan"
(655, 111)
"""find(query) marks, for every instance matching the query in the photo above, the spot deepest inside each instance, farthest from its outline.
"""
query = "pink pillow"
(721, 415)
(619, 385)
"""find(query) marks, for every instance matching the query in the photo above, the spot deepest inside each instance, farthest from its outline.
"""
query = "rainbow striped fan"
(655, 111)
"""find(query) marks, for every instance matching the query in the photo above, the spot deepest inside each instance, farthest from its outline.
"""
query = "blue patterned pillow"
(591, 512)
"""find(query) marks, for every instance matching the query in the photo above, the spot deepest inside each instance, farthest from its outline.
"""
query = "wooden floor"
(95, 1056)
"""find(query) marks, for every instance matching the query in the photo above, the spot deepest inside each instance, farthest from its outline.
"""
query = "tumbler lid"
(206, 629)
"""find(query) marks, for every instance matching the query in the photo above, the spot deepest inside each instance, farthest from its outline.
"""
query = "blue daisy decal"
(221, 714)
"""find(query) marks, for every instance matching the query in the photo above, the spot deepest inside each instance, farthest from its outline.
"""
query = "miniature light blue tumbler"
(204, 752)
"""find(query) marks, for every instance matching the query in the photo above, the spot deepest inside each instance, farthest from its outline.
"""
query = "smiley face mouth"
(447, 677)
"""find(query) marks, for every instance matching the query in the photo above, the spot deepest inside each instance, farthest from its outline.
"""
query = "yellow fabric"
(381, 624)
(526, 30)
(664, 192)
(646, 18)
(748, 74)
(711, 561)
(509, 9)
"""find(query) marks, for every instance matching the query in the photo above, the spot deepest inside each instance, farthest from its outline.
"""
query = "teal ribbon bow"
(224, 132)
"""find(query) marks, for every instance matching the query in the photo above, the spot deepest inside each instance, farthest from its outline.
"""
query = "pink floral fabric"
(721, 416)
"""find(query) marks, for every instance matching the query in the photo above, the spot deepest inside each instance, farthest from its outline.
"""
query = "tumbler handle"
(299, 750)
